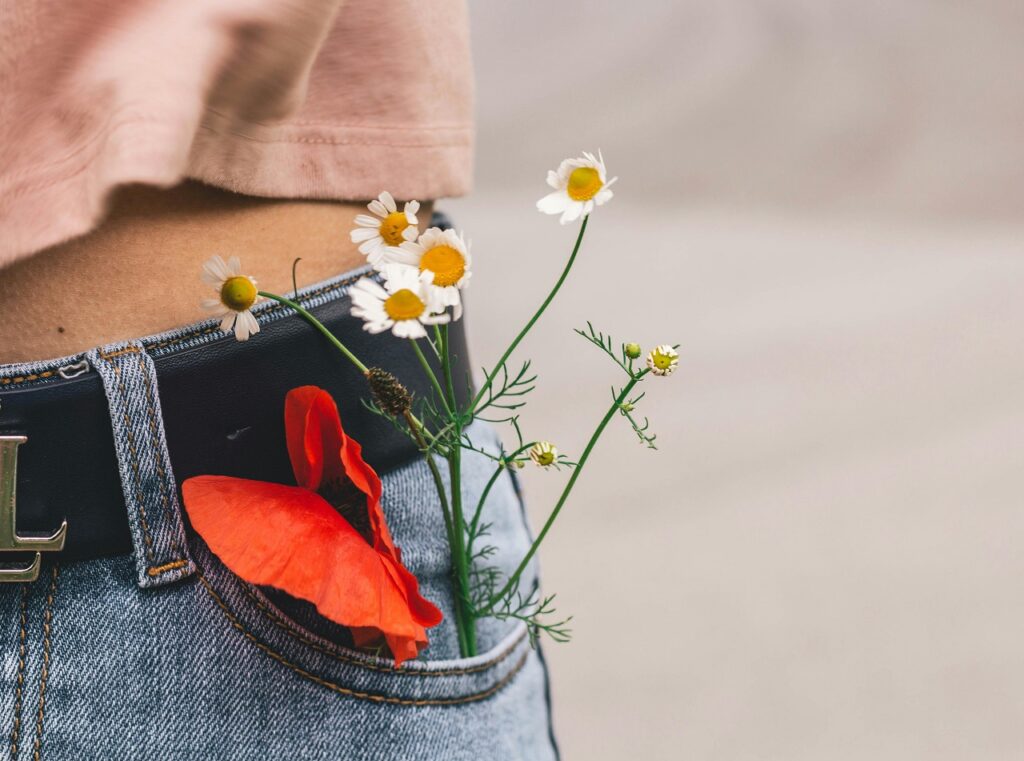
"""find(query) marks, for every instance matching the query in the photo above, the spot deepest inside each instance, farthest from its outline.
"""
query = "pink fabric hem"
(57, 202)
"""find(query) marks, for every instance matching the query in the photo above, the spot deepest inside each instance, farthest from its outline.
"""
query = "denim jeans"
(166, 654)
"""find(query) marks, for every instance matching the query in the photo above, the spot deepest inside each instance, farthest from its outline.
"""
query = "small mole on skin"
(60, 328)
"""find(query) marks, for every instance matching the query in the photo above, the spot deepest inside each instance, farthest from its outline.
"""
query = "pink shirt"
(335, 99)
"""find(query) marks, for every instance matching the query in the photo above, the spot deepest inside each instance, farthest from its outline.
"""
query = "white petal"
(428, 239)
(553, 179)
(410, 211)
(246, 326)
(370, 247)
(215, 271)
(404, 254)
(572, 213)
(365, 220)
(213, 305)
(554, 203)
(389, 202)
(235, 266)
(435, 319)
(370, 287)
(377, 208)
(410, 329)
(361, 234)
(228, 321)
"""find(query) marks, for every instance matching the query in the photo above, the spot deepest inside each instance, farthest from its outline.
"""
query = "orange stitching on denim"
(45, 675)
(374, 697)
(19, 681)
(29, 377)
(278, 621)
(120, 352)
(135, 466)
(157, 570)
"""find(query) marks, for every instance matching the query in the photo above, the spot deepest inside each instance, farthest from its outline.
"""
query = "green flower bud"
(633, 351)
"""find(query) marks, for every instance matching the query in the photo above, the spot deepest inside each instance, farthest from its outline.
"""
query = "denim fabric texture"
(167, 655)
(130, 383)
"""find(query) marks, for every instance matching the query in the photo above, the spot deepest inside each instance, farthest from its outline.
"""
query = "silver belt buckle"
(9, 539)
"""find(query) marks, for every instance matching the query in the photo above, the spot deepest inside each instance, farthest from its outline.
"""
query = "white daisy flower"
(236, 295)
(388, 228)
(404, 304)
(579, 184)
(663, 360)
(444, 255)
(544, 453)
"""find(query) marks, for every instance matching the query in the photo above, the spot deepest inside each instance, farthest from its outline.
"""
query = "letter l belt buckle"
(9, 539)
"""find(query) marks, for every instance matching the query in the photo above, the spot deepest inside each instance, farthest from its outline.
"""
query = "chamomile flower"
(579, 185)
(236, 295)
(387, 228)
(663, 360)
(544, 453)
(403, 305)
(444, 256)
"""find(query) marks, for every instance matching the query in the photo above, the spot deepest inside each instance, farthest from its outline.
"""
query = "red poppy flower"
(324, 540)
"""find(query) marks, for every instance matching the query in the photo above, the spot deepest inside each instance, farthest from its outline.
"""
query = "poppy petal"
(292, 539)
(314, 436)
(321, 453)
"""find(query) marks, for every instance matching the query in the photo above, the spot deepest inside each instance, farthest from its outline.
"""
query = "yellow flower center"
(544, 453)
(446, 263)
(584, 182)
(238, 293)
(662, 361)
(404, 305)
(392, 227)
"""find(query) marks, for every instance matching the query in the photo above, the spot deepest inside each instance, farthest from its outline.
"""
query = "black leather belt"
(223, 405)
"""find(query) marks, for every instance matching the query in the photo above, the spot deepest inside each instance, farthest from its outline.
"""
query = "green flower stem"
(514, 578)
(464, 624)
(430, 374)
(522, 334)
(465, 619)
(438, 482)
(319, 326)
(502, 466)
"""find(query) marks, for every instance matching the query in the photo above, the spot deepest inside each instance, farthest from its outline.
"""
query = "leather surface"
(223, 405)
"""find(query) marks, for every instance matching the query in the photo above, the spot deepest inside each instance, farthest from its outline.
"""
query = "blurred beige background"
(822, 202)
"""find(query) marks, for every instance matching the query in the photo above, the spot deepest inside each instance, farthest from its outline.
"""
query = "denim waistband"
(109, 433)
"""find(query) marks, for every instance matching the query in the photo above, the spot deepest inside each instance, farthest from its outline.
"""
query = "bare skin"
(138, 272)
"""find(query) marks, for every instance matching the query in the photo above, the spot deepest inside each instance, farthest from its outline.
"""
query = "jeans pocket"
(293, 634)
(308, 654)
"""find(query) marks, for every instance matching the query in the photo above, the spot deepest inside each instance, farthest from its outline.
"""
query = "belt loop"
(150, 491)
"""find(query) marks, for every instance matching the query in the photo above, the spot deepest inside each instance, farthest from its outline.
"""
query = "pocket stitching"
(276, 618)
(373, 697)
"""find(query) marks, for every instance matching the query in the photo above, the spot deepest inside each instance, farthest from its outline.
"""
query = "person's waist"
(222, 403)
(138, 273)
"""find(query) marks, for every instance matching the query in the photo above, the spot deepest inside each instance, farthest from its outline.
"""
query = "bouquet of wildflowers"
(415, 293)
